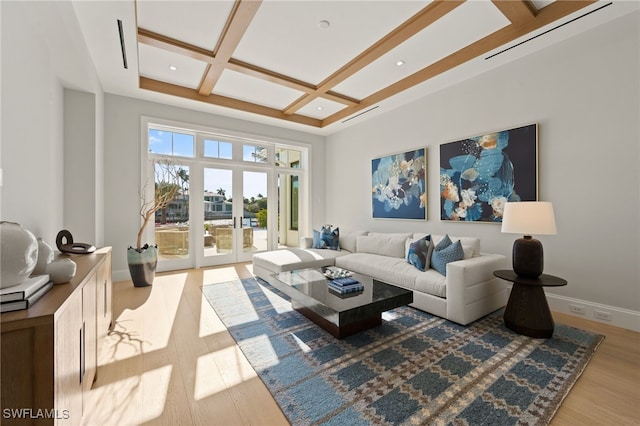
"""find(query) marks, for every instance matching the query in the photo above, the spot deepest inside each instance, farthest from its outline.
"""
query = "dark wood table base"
(528, 313)
(342, 331)
(527, 310)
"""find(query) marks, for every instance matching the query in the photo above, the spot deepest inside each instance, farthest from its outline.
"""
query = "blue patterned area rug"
(413, 369)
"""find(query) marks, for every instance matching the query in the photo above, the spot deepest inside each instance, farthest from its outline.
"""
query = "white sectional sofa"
(467, 292)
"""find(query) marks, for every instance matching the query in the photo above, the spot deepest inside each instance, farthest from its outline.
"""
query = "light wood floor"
(170, 360)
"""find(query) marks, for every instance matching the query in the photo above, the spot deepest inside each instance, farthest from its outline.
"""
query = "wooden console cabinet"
(50, 351)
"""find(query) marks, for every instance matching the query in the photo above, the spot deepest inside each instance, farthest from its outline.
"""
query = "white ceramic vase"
(18, 253)
(45, 256)
(61, 270)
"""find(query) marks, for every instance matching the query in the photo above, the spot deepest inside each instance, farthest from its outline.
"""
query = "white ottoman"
(273, 262)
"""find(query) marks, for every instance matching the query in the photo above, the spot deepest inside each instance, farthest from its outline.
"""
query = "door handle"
(234, 222)
(241, 221)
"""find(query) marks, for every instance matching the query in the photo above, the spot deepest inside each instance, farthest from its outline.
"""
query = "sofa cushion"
(395, 272)
(348, 240)
(382, 244)
(445, 253)
(391, 270)
(431, 282)
(419, 252)
(403, 235)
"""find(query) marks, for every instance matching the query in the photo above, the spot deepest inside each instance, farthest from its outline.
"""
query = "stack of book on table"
(25, 294)
(345, 285)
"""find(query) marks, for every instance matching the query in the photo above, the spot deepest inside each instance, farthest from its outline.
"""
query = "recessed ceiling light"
(324, 24)
(319, 108)
(400, 63)
(173, 67)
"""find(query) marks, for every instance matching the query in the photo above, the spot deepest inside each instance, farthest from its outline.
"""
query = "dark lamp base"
(528, 260)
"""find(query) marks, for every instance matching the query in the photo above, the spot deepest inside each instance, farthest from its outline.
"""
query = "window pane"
(182, 145)
(255, 154)
(217, 149)
(172, 221)
(288, 158)
(295, 186)
(226, 151)
(248, 153)
(211, 148)
(170, 143)
(218, 211)
(254, 224)
(159, 142)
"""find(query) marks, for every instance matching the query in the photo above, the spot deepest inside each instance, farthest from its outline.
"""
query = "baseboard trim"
(620, 317)
(120, 275)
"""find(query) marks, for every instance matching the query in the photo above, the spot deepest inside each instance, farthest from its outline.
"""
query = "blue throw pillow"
(317, 240)
(331, 238)
(449, 253)
(326, 238)
(444, 243)
(419, 254)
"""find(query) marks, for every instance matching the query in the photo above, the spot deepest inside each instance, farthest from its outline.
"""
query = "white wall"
(42, 52)
(79, 171)
(122, 164)
(31, 127)
(584, 94)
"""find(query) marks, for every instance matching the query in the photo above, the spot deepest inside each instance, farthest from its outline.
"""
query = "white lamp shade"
(529, 218)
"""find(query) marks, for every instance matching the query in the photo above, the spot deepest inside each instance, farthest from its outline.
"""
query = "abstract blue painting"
(399, 189)
(479, 175)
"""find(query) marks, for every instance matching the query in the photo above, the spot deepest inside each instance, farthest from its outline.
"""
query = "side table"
(527, 310)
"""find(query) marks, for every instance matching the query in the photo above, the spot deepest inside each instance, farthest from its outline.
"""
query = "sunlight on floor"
(154, 389)
(276, 302)
(169, 359)
(156, 336)
(233, 366)
(303, 346)
(208, 379)
(209, 324)
(219, 275)
(262, 345)
(128, 338)
(140, 397)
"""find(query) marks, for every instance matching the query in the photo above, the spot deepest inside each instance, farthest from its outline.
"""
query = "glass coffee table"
(340, 314)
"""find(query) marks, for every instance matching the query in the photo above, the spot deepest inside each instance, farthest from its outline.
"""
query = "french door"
(235, 214)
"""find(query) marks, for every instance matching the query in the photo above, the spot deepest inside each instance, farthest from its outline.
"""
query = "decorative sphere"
(19, 253)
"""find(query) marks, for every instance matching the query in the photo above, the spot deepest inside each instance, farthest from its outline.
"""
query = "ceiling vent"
(358, 115)
(124, 51)
(549, 30)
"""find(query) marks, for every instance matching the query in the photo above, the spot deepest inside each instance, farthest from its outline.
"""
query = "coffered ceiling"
(313, 64)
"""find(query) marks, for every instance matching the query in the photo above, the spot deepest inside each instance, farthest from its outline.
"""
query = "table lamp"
(528, 218)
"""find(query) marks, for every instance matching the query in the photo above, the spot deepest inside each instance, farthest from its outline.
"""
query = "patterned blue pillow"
(326, 238)
(444, 243)
(419, 254)
(444, 255)
(317, 240)
(332, 238)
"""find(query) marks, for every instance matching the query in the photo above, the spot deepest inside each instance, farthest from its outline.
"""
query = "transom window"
(254, 154)
(171, 143)
(288, 158)
(218, 149)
